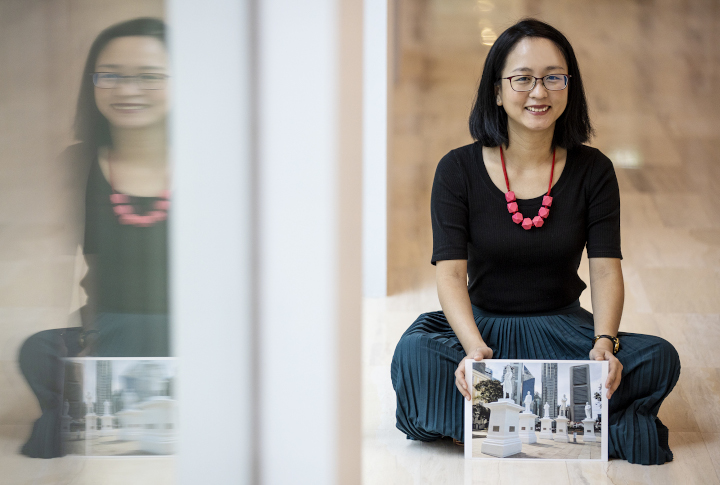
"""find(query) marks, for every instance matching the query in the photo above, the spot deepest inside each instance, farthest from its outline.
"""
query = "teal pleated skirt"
(429, 406)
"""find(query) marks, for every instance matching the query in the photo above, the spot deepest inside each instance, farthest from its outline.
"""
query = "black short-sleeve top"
(131, 263)
(516, 271)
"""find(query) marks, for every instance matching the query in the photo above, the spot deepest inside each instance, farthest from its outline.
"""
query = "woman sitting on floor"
(511, 216)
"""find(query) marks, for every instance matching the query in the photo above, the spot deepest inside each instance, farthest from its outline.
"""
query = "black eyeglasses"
(524, 82)
(109, 80)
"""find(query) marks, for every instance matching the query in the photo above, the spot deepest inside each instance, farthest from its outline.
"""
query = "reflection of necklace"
(512, 206)
(126, 212)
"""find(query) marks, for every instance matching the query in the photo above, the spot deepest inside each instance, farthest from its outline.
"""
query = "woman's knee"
(666, 352)
(32, 346)
(410, 344)
(39, 347)
(419, 346)
(417, 335)
(656, 359)
(406, 351)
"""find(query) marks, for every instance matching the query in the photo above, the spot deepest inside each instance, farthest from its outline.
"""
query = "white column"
(375, 147)
(309, 164)
(211, 234)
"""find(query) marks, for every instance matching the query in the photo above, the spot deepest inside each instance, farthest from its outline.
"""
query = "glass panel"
(86, 176)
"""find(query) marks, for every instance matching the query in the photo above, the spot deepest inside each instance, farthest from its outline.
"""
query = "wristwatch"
(615, 341)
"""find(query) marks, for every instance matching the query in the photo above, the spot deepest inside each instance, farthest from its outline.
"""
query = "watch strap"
(614, 340)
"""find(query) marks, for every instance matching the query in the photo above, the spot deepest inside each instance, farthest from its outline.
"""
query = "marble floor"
(652, 76)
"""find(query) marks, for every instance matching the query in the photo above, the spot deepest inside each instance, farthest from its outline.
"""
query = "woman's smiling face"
(539, 109)
(127, 105)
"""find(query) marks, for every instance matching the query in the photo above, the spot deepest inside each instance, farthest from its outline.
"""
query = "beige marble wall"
(650, 70)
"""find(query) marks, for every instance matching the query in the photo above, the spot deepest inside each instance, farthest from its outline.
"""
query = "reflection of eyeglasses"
(109, 80)
(524, 82)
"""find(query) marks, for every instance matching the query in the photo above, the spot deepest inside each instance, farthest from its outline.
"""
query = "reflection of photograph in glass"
(536, 410)
(119, 407)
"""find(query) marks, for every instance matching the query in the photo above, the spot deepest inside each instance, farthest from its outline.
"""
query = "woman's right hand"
(88, 342)
(478, 354)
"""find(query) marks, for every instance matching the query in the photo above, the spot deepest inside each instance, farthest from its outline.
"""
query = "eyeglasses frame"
(535, 80)
(120, 78)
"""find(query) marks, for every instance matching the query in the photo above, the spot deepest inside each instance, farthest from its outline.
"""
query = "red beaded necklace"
(512, 206)
(126, 212)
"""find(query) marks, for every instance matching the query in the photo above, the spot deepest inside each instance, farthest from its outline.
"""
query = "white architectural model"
(503, 437)
(588, 426)
(159, 434)
(528, 402)
(546, 424)
(527, 422)
(107, 421)
(561, 423)
(65, 419)
(507, 383)
(130, 423)
(90, 420)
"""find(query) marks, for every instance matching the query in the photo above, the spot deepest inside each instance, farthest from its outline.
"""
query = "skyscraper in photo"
(528, 385)
(103, 385)
(580, 392)
(537, 405)
(550, 387)
(521, 385)
(73, 389)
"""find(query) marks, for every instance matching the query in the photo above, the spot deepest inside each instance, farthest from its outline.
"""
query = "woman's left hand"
(601, 351)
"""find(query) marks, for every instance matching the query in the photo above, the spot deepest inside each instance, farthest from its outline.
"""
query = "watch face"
(614, 340)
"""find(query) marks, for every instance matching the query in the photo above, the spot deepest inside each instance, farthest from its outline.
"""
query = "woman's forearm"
(608, 296)
(455, 302)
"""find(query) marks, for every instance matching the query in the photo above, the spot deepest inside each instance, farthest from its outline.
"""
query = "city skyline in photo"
(119, 368)
(563, 378)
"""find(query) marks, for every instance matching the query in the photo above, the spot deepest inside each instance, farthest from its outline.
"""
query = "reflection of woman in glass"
(511, 216)
(121, 123)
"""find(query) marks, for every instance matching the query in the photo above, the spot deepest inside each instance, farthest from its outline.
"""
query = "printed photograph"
(537, 410)
(119, 407)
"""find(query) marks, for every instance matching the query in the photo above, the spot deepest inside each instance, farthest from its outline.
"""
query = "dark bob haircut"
(488, 121)
(91, 127)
